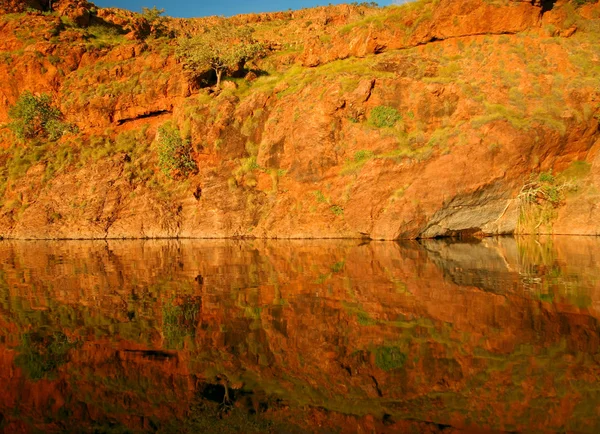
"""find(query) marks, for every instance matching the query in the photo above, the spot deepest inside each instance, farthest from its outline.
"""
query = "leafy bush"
(384, 116)
(35, 117)
(56, 128)
(546, 177)
(174, 153)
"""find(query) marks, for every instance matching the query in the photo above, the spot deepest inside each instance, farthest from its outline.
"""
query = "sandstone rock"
(133, 25)
(251, 76)
(568, 32)
(299, 152)
(16, 6)
(229, 85)
(77, 10)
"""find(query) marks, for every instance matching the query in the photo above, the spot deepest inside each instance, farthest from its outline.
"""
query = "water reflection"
(259, 336)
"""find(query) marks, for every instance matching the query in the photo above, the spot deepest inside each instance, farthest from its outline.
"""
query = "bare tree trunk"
(226, 399)
(219, 74)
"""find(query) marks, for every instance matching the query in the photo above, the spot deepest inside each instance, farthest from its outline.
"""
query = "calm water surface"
(307, 336)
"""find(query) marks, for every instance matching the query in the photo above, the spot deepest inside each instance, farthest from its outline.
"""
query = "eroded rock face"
(481, 96)
(446, 20)
(71, 8)
(76, 10)
(16, 6)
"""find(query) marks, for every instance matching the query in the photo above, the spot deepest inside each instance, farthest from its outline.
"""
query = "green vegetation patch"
(540, 197)
(406, 17)
(577, 170)
(174, 153)
(389, 358)
(584, 2)
(384, 117)
(359, 160)
(337, 210)
(40, 356)
(179, 321)
(35, 117)
(543, 188)
(105, 35)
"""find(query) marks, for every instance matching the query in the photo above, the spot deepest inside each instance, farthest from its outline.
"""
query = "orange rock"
(474, 109)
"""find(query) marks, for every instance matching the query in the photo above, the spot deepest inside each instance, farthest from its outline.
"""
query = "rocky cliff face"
(437, 118)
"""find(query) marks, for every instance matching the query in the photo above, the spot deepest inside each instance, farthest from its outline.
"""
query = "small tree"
(221, 48)
(153, 14)
(155, 19)
(174, 153)
(35, 117)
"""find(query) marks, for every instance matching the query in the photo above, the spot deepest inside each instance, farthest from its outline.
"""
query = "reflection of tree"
(217, 407)
(41, 355)
(179, 321)
(389, 358)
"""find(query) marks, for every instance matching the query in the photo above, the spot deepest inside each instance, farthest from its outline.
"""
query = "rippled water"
(279, 336)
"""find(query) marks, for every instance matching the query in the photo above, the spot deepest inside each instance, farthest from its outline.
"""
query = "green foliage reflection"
(41, 355)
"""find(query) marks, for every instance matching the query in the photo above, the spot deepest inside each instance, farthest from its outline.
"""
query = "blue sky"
(187, 8)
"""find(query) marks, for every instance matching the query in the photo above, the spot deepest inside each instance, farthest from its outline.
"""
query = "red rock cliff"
(432, 119)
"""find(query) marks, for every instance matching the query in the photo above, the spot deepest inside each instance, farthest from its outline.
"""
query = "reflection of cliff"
(145, 334)
(485, 264)
(563, 267)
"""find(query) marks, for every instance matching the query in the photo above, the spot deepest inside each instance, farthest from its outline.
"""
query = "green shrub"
(56, 128)
(338, 266)
(337, 210)
(363, 155)
(21, 159)
(384, 116)
(546, 177)
(58, 159)
(545, 188)
(105, 35)
(152, 15)
(174, 153)
(35, 117)
(359, 160)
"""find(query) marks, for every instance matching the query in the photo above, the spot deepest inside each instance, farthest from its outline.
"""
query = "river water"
(300, 336)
